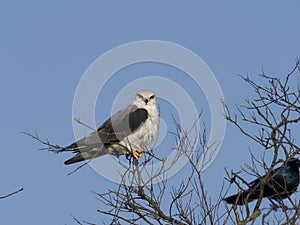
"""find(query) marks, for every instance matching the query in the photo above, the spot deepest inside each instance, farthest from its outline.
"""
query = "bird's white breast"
(146, 133)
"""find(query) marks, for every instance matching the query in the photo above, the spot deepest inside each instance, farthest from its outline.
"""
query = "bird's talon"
(137, 154)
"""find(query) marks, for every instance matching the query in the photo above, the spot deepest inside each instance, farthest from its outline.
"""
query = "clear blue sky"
(45, 47)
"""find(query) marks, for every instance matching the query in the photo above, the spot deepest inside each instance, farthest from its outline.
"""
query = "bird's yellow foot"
(137, 154)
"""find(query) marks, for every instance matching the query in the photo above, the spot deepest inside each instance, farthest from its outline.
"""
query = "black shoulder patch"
(136, 118)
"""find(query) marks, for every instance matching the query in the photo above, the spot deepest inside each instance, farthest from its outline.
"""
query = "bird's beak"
(146, 101)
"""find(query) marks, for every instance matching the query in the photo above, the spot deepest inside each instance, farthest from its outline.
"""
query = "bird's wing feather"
(122, 124)
(136, 118)
(115, 129)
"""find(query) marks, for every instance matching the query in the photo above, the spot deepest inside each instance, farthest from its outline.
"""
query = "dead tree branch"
(13, 193)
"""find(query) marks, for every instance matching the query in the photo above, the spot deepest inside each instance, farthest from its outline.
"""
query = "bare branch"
(15, 192)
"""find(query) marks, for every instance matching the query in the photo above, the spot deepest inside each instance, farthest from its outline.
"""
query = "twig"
(15, 192)
(84, 124)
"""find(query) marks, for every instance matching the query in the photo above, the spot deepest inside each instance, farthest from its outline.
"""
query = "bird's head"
(294, 162)
(145, 98)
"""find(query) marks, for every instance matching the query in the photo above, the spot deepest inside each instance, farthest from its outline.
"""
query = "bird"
(130, 131)
(282, 183)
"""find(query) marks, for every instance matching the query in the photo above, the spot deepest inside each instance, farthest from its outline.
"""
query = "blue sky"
(47, 45)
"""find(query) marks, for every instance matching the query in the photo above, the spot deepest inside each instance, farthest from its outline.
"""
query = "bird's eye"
(140, 96)
(152, 96)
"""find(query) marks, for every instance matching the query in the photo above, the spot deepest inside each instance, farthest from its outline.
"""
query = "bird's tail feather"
(231, 199)
(239, 199)
(86, 155)
(75, 159)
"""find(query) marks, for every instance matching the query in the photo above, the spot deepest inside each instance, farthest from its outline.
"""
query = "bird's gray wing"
(122, 124)
(107, 137)
(113, 130)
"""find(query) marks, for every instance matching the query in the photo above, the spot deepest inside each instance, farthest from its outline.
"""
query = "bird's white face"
(145, 99)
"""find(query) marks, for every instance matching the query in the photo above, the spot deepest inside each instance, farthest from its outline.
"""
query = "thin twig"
(15, 192)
